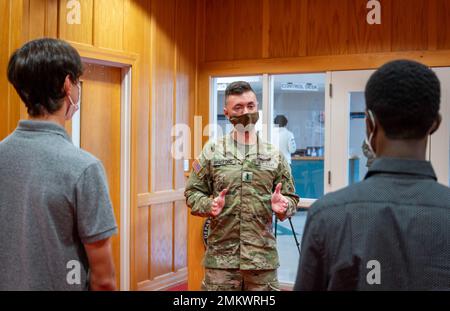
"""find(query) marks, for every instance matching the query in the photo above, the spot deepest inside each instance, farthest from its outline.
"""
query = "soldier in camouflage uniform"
(240, 186)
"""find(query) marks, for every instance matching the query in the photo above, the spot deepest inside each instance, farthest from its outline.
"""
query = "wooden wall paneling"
(17, 19)
(180, 236)
(162, 95)
(109, 24)
(442, 23)
(185, 77)
(184, 98)
(42, 19)
(287, 28)
(140, 249)
(161, 237)
(200, 33)
(409, 25)
(163, 66)
(432, 25)
(332, 28)
(26, 18)
(51, 19)
(37, 19)
(365, 38)
(137, 22)
(265, 40)
(327, 27)
(20, 22)
(247, 29)
(219, 34)
(4, 58)
(82, 33)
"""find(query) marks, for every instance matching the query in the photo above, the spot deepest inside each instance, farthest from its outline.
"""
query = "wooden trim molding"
(306, 64)
(165, 281)
(99, 55)
(160, 197)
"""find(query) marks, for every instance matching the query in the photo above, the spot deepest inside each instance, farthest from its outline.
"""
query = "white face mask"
(369, 140)
(72, 106)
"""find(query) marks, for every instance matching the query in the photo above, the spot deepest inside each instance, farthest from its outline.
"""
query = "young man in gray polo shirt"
(56, 217)
(392, 230)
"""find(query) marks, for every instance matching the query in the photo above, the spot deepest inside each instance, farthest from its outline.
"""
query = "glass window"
(299, 100)
(298, 130)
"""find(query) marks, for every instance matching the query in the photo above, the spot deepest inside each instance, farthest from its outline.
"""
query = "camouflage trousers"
(240, 280)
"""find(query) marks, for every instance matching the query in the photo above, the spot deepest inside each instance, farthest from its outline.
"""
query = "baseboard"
(165, 281)
(286, 286)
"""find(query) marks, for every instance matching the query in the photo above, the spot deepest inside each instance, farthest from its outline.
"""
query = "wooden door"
(100, 131)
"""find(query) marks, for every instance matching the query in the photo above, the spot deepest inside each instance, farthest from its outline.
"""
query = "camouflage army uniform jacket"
(241, 236)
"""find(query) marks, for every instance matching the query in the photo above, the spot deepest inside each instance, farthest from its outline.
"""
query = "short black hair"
(281, 120)
(238, 88)
(38, 70)
(405, 97)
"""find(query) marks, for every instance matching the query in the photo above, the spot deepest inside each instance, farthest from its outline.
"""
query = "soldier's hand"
(218, 203)
(279, 202)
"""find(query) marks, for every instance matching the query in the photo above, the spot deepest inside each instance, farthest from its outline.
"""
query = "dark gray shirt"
(53, 199)
(399, 216)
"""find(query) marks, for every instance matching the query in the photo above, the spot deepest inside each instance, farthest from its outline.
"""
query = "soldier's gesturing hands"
(218, 203)
(279, 202)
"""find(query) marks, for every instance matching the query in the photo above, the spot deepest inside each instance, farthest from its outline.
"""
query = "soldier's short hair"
(238, 88)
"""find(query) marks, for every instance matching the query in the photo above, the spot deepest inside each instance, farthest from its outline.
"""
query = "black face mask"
(245, 121)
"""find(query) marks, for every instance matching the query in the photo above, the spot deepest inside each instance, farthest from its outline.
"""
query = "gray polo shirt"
(53, 199)
(388, 232)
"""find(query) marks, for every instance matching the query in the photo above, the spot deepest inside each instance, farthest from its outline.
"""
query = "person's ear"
(67, 86)
(369, 125)
(225, 111)
(436, 124)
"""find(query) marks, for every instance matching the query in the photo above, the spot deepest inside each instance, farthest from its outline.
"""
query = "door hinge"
(329, 177)
(331, 90)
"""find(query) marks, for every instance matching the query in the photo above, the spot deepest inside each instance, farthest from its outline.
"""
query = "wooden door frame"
(128, 195)
(343, 84)
(439, 141)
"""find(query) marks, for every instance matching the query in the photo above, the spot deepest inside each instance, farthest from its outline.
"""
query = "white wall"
(302, 110)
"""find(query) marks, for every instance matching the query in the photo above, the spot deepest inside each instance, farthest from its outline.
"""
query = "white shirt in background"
(284, 140)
